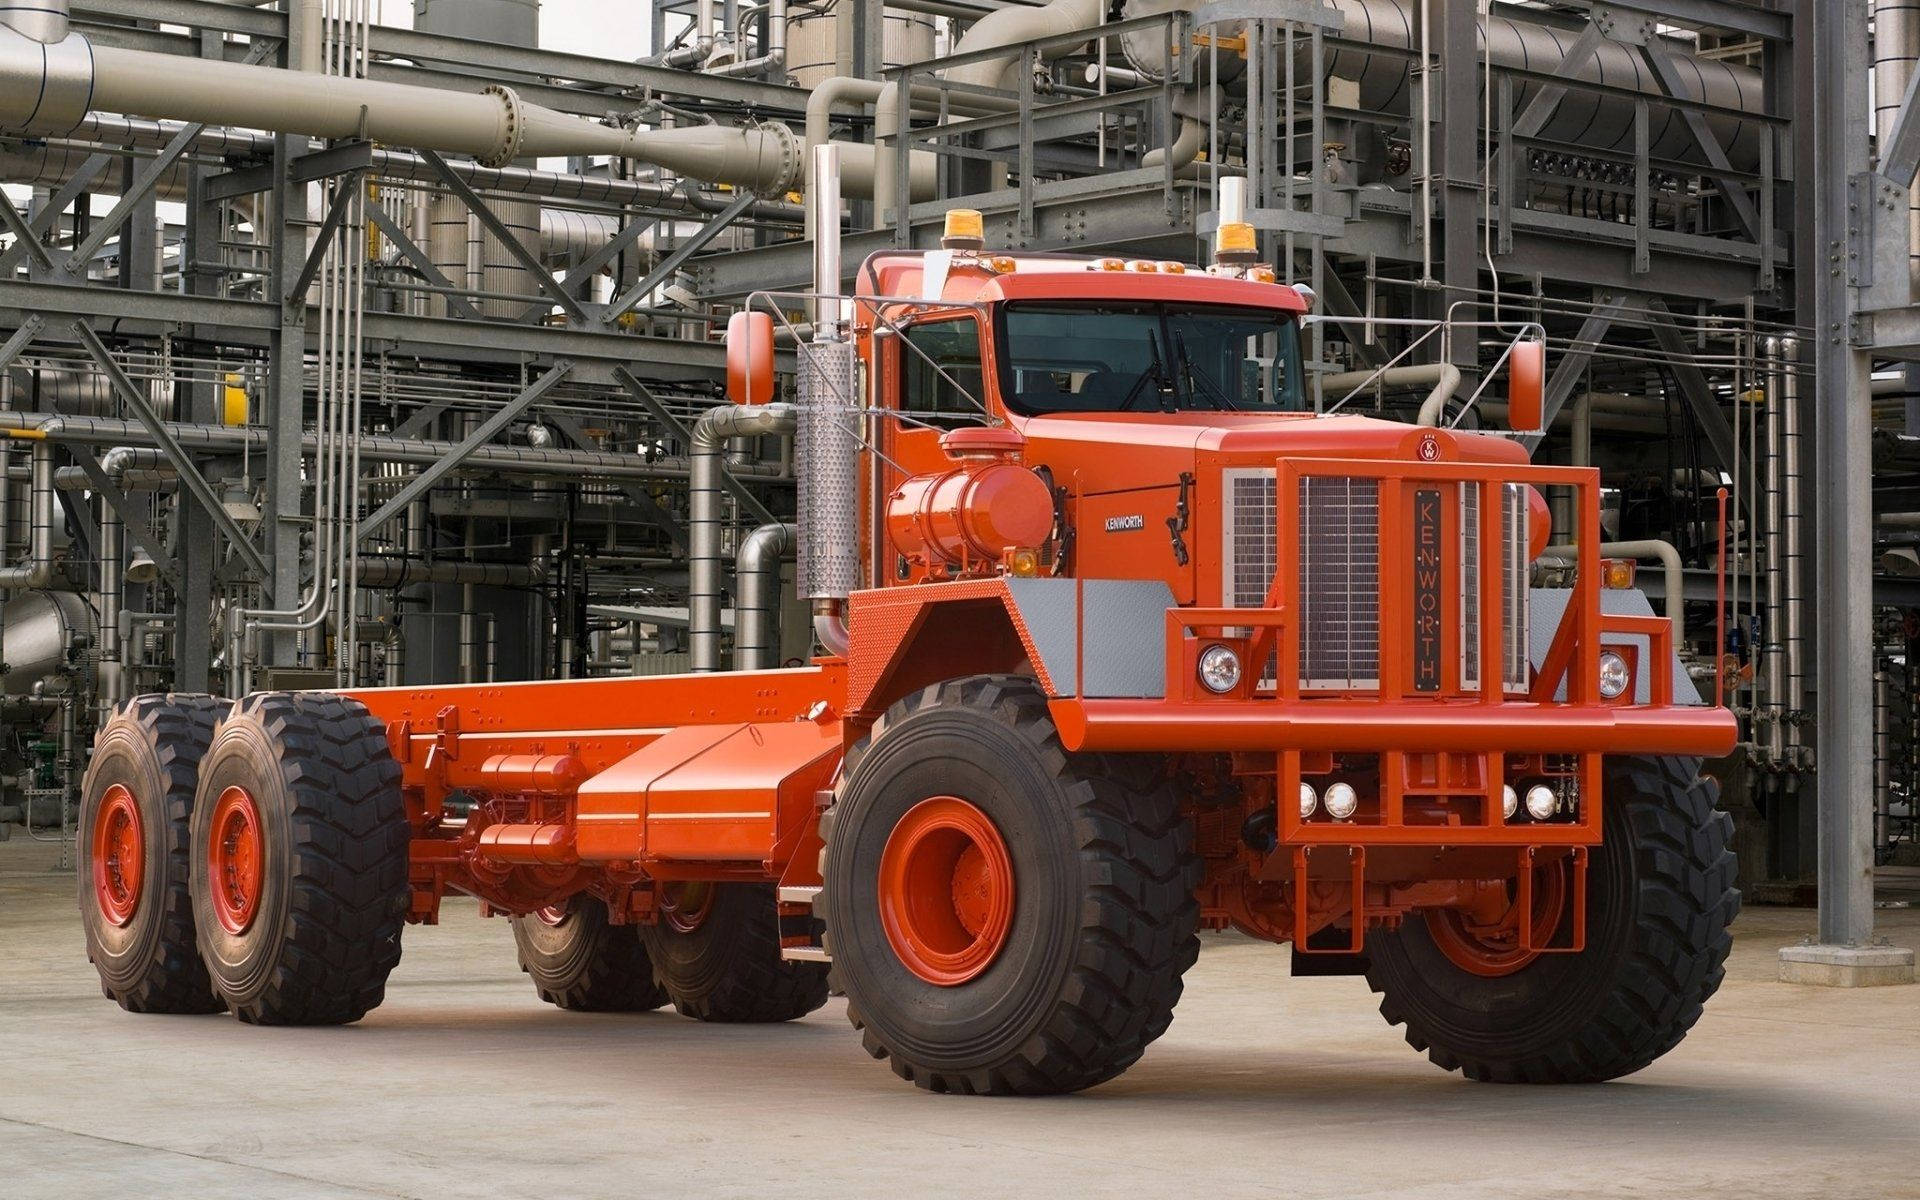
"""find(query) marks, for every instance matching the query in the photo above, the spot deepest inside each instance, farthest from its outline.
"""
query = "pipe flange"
(516, 124)
(792, 176)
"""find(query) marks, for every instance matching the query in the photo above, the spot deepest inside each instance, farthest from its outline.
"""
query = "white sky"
(604, 28)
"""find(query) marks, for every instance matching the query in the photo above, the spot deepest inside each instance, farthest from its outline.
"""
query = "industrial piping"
(37, 570)
(525, 460)
(756, 636)
(705, 530)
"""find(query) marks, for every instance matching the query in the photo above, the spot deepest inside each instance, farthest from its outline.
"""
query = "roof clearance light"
(1262, 275)
(966, 230)
(1236, 242)
(1142, 265)
(1173, 268)
(1107, 264)
(1004, 264)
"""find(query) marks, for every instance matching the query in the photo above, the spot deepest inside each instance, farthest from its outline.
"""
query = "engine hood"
(1110, 452)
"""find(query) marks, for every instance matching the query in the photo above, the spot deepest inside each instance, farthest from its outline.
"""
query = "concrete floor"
(464, 1084)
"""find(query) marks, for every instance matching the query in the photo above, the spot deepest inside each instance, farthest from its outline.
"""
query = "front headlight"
(1220, 669)
(1341, 801)
(1509, 801)
(1615, 676)
(1308, 800)
(1542, 802)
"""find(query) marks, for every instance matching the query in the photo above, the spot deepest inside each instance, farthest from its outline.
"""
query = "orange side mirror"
(750, 358)
(1527, 387)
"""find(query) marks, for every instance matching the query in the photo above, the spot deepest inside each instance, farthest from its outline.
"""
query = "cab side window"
(953, 390)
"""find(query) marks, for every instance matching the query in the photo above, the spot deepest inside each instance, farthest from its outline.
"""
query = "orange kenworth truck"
(1120, 641)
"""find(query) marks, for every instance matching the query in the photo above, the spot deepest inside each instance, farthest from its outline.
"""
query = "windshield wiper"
(1156, 374)
(1192, 372)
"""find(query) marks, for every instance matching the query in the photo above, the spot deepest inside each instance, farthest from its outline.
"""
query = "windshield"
(1081, 356)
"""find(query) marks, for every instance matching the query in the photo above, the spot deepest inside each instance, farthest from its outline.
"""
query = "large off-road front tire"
(135, 810)
(299, 860)
(716, 952)
(1660, 899)
(580, 960)
(1004, 917)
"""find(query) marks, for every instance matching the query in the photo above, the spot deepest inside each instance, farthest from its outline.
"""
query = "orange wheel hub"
(234, 860)
(119, 856)
(1484, 939)
(946, 890)
(684, 906)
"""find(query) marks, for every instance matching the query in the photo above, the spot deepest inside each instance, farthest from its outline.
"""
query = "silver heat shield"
(827, 452)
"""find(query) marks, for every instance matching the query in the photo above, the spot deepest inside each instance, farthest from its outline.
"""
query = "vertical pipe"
(1792, 564)
(1882, 756)
(1774, 654)
(756, 639)
(108, 603)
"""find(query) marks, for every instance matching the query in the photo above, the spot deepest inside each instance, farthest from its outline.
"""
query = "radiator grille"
(1514, 516)
(1339, 582)
(1339, 574)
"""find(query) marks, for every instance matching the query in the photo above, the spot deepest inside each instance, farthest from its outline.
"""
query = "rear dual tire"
(581, 961)
(299, 860)
(715, 951)
(134, 853)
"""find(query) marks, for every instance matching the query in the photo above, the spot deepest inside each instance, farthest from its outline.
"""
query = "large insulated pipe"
(50, 88)
(1013, 25)
(705, 529)
(37, 570)
(1002, 27)
(1441, 380)
(44, 21)
(756, 626)
(1582, 117)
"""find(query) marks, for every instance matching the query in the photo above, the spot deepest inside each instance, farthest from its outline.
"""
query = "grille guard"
(1485, 734)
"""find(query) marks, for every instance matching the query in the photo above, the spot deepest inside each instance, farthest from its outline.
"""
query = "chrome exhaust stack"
(827, 444)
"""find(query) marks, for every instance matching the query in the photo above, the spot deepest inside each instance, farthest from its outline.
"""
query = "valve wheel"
(1485, 940)
(946, 890)
(119, 856)
(234, 859)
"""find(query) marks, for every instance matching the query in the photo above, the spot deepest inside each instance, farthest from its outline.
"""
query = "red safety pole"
(1720, 613)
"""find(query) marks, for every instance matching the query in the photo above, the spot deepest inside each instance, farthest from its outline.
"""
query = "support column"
(1845, 954)
(199, 402)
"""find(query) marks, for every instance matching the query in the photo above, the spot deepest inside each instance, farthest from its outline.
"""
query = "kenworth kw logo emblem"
(1126, 524)
(1427, 622)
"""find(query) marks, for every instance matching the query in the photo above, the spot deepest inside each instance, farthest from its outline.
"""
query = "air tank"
(813, 41)
(36, 630)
